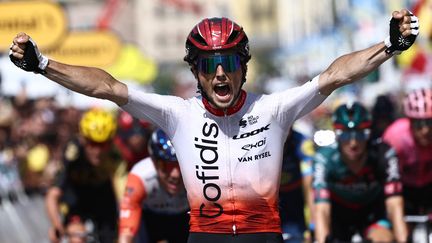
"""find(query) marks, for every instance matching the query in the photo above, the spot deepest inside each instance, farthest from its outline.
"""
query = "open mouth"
(222, 89)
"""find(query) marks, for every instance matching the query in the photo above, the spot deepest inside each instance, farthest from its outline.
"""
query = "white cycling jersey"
(230, 159)
(157, 199)
(144, 191)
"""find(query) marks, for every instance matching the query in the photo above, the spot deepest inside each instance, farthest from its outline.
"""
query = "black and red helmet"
(212, 34)
(129, 126)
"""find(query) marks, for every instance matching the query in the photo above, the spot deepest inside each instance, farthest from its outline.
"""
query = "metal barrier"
(23, 219)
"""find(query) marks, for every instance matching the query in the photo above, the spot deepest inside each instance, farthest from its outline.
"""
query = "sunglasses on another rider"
(103, 145)
(209, 64)
(167, 167)
(347, 135)
(420, 123)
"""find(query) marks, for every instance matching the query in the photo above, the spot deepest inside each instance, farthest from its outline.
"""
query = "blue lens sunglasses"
(209, 64)
(347, 135)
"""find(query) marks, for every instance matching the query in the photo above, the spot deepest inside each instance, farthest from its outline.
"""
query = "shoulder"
(398, 134)
(144, 169)
(72, 152)
(397, 128)
(304, 144)
(381, 149)
(328, 152)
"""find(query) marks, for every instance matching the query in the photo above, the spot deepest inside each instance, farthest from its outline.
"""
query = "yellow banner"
(132, 65)
(44, 21)
(92, 48)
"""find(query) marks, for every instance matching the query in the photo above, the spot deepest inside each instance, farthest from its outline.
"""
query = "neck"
(357, 164)
(237, 105)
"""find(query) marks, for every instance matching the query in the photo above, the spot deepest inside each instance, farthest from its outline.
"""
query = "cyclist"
(356, 183)
(131, 139)
(295, 196)
(411, 137)
(232, 191)
(86, 183)
(155, 187)
(383, 114)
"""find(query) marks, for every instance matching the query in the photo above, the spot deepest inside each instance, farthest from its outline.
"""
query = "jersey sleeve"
(130, 206)
(390, 172)
(319, 184)
(162, 110)
(294, 103)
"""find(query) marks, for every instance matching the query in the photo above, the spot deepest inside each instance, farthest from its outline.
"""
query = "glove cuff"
(387, 42)
(390, 49)
(43, 62)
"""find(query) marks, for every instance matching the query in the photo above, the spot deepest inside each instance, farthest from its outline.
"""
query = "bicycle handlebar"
(418, 218)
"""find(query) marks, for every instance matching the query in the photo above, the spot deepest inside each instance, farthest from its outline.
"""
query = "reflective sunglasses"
(347, 135)
(209, 64)
(420, 123)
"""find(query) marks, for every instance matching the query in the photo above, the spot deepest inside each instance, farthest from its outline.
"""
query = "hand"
(25, 54)
(55, 234)
(404, 29)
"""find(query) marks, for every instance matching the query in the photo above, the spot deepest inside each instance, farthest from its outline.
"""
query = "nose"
(425, 130)
(353, 142)
(175, 173)
(220, 73)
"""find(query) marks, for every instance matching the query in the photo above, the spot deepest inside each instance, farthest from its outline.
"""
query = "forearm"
(89, 81)
(322, 222)
(396, 215)
(308, 195)
(52, 206)
(351, 67)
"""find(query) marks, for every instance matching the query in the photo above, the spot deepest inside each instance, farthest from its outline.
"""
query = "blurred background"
(141, 42)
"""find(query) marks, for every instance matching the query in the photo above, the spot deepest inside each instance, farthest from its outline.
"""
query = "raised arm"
(351, 67)
(89, 81)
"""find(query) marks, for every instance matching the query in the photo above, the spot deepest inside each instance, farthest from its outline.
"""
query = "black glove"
(396, 43)
(33, 60)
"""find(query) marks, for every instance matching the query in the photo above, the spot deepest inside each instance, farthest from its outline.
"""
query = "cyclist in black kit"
(86, 184)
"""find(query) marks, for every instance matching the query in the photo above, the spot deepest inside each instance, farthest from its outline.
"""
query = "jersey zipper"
(230, 186)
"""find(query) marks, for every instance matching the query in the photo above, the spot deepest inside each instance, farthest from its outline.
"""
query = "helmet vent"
(233, 36)
(200, 39)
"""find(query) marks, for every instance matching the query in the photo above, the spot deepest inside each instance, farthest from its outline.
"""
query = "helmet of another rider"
(160, 147)
(418, 104)
(352, 120)
(98, 125)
